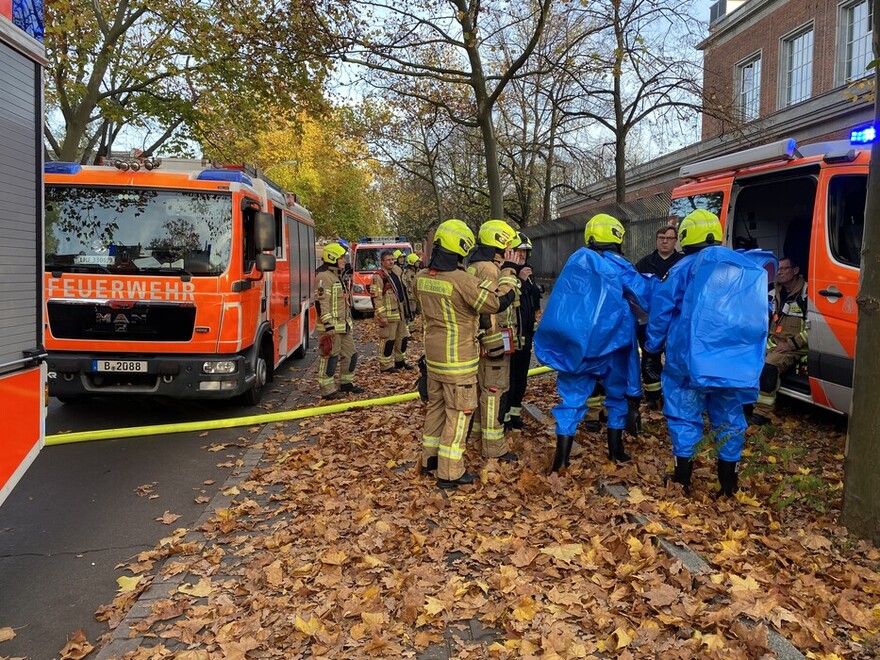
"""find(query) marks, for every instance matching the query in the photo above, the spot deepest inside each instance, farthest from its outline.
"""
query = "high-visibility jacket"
(452, 302)
(388, 295)
(788, 323)
(332, 301)
(491, 271)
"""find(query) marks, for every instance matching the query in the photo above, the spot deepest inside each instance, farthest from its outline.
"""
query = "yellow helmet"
(332, 253)
(455, 236)
(412, 259)
(604, 229)
(521, 242)
(700, 226)
(397, 254)
(497, 234)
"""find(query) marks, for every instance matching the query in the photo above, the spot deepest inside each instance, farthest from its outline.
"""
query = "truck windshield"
(367, 259)
(132, 231)
(679, 208)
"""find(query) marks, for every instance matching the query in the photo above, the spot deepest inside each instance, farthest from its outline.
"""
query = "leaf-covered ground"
(336, 546)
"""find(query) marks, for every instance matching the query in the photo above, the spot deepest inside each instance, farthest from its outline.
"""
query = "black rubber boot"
(351, 387)
(563, 451)
(463, 480)
(728, 477)
(331, 396)
(615, 446)
(684, 467)
(401, 364)
(633, 416)
(509, 457)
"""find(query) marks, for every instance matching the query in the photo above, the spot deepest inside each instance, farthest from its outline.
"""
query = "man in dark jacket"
(529, 304)
(658, 264)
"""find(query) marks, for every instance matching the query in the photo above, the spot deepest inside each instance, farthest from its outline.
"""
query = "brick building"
(773, 69)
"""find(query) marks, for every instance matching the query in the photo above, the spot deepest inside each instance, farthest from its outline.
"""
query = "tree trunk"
(493, 172)
(861, 491)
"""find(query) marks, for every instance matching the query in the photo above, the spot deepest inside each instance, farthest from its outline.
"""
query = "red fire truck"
(173, 278)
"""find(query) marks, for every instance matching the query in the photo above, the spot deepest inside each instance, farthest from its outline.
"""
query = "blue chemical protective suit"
(588, 332)
(711, 315)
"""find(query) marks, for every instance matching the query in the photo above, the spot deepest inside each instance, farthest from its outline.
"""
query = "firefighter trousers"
(448, 415)
(343, 355)
(392, 343)
(775, 364)
(493, 378)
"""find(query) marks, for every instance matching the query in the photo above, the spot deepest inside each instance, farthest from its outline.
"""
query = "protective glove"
(422, 382)
(652, 367)
(325, 345)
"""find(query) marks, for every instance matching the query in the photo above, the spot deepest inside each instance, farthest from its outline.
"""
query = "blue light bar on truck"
(60, 167)
(864, 135)
(232, 176)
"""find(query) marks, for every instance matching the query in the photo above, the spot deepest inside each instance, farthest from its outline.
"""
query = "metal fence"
(554, 242)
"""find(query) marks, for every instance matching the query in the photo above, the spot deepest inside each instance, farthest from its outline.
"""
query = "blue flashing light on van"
(864, 135)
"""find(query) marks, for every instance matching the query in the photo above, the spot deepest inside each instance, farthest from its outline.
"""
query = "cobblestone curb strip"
(688, 558)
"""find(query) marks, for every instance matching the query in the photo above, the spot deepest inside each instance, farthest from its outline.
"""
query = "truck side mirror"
(265, 232)
(265, 263)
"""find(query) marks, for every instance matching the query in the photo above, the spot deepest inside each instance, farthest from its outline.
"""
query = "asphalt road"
(77, 513)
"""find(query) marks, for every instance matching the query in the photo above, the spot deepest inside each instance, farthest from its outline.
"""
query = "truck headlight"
(220, 367)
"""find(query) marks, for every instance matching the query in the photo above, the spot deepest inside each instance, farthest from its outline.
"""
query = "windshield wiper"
(58, 268)
(185, 275)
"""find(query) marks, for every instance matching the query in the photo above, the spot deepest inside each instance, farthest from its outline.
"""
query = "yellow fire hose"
(185, 427)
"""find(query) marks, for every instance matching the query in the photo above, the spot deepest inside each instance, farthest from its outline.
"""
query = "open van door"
(834, 284)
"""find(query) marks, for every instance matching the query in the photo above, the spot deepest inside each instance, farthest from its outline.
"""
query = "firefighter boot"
(563, 451)
(351, 388)
(633, 416)
(463, 480)
(684, 467)
(728, 477)
(615, 446)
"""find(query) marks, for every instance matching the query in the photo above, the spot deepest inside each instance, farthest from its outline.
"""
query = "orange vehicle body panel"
(231, 308)
(832, 320)
(24, 417)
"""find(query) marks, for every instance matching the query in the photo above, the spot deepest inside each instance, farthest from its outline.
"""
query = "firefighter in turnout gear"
(333, 308)
(399, 262)
(787, 341)
(498, 337)
(413, 264)
(391, 308)
(452, 301)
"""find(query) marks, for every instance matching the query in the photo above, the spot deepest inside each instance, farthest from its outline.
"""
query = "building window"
(797, 63)
(749, 88)
(855, 39)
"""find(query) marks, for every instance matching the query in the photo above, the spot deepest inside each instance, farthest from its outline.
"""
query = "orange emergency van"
(365, 263)
(172, 278)
(805, 202)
